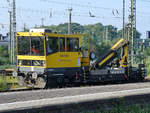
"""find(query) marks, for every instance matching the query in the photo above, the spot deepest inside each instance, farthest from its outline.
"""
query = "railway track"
(26, 95)
(19, 89)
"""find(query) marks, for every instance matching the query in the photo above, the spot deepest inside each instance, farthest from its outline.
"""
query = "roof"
(47, 34)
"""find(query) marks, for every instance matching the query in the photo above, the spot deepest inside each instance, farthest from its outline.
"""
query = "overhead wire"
(74, 4)
(56, 13)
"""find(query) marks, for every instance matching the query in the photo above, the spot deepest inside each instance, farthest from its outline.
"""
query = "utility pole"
(123, 30)
(42, 22)
(132, 29)
(13, 31)
(10, 36)
(24, 27)
(69, 23)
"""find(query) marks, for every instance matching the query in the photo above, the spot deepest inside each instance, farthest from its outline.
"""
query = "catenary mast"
(13, 26)
(132, 30)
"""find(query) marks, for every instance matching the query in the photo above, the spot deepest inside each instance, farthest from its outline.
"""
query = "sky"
(30, 13)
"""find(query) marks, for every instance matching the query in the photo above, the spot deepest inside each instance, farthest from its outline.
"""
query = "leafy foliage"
(4, 56)
(147, 51)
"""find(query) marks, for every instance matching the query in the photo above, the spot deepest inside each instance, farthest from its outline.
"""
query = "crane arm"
(112, 54)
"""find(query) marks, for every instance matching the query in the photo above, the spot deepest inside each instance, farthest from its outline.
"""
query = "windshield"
(31, 46)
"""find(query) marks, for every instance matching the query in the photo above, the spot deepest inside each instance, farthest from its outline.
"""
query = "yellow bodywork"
(29, 34)
(119, 44)
(124, 60)
(57, 59)
(107, 58)
(85, 61)
(24, 57)
(63, 59)
(122, 43)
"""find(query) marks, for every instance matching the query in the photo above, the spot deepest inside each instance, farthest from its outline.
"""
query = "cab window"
(75, 44)
(69, 46)
(52, 45)
(72, 44)
(30, 46)
(62, 44)
(37, 47)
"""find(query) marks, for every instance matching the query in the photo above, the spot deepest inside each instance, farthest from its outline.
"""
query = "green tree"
(4, 56)
(147, 51)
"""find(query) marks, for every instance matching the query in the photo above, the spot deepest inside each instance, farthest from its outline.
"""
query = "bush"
(3, 83)
(4, 56)
(3, 86)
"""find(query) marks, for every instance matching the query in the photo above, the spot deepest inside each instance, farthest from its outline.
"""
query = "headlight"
(34, 75)
(14, 74)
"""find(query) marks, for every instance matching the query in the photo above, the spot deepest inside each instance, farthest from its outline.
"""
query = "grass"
(3, 87)
(3, 84)
(7, 82)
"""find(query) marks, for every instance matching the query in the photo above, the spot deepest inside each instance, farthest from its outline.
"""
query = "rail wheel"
(21, 81)
(40, 82)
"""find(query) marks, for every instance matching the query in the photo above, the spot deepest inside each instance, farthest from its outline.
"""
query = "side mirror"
(92, 56)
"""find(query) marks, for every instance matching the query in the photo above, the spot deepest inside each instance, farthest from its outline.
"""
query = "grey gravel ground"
(10, 97)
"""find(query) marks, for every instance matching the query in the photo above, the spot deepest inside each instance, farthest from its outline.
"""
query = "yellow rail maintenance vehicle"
(50, 59)
(45, 57)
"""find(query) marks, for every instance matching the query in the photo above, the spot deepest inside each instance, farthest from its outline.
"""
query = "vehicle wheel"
(21, 81)
(40, 83)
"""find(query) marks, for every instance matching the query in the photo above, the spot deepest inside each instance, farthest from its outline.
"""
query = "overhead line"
(144, 0)
(79, 5)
